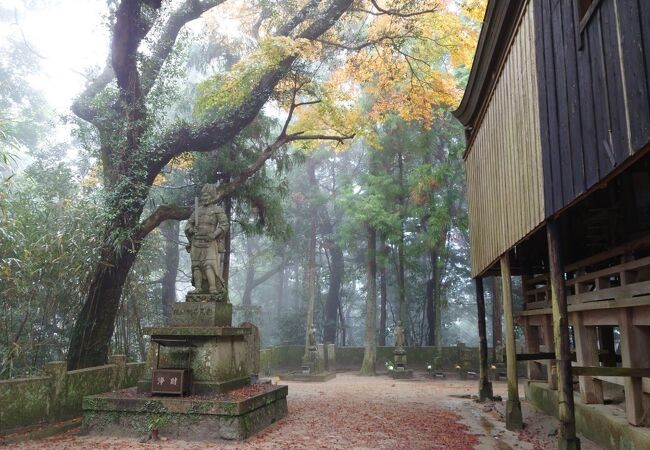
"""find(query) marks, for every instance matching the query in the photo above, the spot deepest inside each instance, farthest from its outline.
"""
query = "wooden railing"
(609, 275)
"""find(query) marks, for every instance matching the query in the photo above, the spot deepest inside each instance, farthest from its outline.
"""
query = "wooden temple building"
(557, 120)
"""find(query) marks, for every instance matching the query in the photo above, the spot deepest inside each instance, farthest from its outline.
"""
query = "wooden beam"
(566, 412)
(484, 385)
(632, 372)
(514, 420)
(540, 356)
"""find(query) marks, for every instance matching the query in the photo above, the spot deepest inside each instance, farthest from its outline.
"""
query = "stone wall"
(602, 424)
(349, 358)
(58, 395)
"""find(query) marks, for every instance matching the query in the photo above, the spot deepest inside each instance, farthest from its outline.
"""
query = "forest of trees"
(326, 125)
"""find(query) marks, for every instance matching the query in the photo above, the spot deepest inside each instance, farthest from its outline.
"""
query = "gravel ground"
(353, 412)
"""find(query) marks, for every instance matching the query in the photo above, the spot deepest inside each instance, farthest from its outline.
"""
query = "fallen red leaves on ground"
(344, 413)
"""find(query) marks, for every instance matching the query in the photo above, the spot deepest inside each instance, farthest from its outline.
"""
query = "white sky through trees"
(70, 36)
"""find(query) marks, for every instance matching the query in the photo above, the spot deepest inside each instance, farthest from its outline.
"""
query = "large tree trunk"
(333, 293)
(170, 230)
(246, 300)
(383, 297)
(280, 297)
(401, 257)
(336, 268)
(497, 335)
(311, 252)
(228, 242)
(91, 335)
(432, 299)
(370, 351)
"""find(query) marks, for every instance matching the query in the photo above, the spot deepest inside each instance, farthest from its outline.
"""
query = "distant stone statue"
(400, 339)
(206, 231)
(312, 337)
(499, 352)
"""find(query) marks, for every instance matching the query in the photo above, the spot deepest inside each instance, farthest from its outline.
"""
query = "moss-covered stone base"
(595, 422)
(203, 387)
(183, 418)
(311, 377)
(401, 374)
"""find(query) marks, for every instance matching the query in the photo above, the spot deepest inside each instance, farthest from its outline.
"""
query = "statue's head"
(208, 194)
(399, 323)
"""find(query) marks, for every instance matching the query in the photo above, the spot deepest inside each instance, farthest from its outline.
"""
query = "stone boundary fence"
(278, 358)
(58, 394)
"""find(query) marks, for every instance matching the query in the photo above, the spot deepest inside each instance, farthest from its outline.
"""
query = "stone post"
(252, 349)
(331, 354)
(119, 371)
(57, 370)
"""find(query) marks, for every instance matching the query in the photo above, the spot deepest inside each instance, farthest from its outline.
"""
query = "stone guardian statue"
(206, 231)
(400, 339)
(312, 337)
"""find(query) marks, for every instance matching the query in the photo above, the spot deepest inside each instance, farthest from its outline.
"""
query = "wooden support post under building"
(531, 334)
(484, 386)
(566, 412)
(591, 389)
(549, 346)
(514, 420)
(634, 353)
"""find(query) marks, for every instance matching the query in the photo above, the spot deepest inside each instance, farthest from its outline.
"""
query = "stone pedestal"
(400, 370)
(314, 367)
(220, 358)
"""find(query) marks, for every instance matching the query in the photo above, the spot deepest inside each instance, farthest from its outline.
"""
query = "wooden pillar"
(484, 386)
(514, 419)
(531, 335)
(634, 353)
(591, 389)
(566, 411)
(497, 338)
(551, 372)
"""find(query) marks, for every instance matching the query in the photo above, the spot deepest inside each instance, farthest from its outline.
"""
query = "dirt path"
(352, 412)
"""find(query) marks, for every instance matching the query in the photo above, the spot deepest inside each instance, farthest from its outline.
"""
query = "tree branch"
(82, 106)
(268, 274)
(186, 12)
(211, 136)
(396, 12)
(162, 213)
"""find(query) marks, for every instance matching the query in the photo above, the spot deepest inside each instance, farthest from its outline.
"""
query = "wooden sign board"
(171, 381)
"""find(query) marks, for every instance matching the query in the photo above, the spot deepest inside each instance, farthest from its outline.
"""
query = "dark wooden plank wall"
(593, 89)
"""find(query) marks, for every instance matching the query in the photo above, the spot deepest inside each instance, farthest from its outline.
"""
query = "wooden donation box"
(175, 381)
